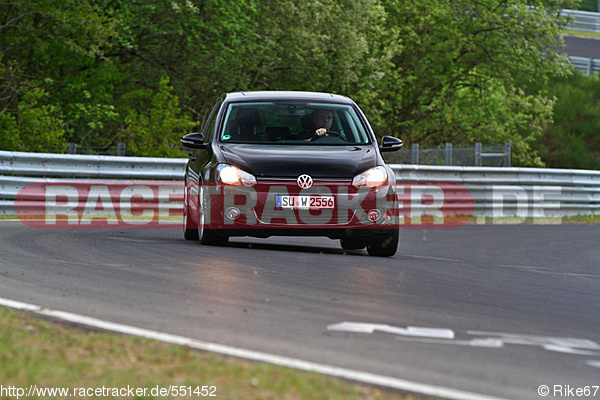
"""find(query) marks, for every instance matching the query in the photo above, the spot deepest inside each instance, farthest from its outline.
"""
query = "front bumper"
(252, 211)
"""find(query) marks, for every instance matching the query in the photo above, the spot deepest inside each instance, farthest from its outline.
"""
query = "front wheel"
(189, 233)
(190, 228)
(352, 243)
(209, 237)
(383, 245)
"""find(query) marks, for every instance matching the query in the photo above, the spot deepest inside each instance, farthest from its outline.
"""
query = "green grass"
(582, 33)
(583, 219)
(578, 219)
(48, 354)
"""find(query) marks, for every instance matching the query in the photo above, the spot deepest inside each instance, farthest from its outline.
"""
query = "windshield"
(293, 123)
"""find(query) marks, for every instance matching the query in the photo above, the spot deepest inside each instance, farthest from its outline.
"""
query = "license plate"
(314, 202)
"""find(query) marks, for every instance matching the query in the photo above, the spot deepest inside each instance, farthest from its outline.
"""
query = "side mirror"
(390, 143)
(194, 141)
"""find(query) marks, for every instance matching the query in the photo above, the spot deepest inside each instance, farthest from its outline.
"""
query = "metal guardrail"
(478, 155)
(85, 166)
(514, 192)
(18, 169)
(585, 64)
(492, 192)
(583, 20)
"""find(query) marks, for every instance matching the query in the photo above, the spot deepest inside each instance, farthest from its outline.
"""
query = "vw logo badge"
(304, 181)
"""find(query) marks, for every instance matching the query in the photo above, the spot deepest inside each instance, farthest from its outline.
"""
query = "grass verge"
(574, 220)
(583, 219)
(582, 33)
(52, 355)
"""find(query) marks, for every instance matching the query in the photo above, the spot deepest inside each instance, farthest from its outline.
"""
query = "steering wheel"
(332, 134)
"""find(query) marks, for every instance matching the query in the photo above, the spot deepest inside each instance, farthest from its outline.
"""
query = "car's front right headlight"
(373, 177)
(233, 176)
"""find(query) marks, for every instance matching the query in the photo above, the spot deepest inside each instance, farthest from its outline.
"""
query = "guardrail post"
(478, 154)
(507, 149)
(415, 153)
(121, 149)
(448, 154)
(72, 148)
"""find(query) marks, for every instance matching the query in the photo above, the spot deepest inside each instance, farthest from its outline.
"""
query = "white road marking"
(554, 343)
(485, 342)
(526, 267)
(353, 375)
(360, 327)
(583, 275)
(566, 345)
(570, 350)
(126, 239)
(594, 363)
(434, 258)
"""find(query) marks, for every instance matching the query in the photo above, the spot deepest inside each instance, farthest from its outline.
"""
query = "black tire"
(190, 234)
(352, 243)
(383, 245)
(190, 229)
(209, 237)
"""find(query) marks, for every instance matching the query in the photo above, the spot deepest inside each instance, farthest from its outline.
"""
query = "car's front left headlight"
(233, 176)
(373, 177)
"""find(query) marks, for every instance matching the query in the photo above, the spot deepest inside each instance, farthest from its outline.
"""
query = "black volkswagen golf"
(290, 163)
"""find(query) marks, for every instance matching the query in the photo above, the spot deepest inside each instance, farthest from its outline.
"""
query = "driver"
(322, 120)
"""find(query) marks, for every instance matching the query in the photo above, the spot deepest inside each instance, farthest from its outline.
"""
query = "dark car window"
(291, 123)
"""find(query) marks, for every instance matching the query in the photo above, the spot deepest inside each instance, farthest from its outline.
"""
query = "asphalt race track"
(582, 46)
(509, 307)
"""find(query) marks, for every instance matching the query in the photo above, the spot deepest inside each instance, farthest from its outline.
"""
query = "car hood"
(280, 161)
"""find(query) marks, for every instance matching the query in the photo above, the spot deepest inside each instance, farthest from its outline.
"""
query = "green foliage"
(88, 103)
(45, 45)
(430, 71)
(573, 140)
(34, 127)
(44, 42)
(588, 5)
(455, 66)
(153, 122)
(320, 45)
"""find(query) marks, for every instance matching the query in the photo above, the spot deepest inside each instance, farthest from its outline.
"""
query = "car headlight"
(373, 177)
(230, 175)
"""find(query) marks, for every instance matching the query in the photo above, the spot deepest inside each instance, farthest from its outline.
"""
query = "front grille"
(292, 180)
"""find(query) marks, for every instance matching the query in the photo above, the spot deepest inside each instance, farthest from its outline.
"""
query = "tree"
(44, 45)
(211, 47)
(572, 141)
(589, 5)
(455, 69)
(431, 71)
(34, 128)
(154, 129)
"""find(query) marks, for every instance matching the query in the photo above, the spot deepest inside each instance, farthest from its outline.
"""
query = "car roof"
(288, 95)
